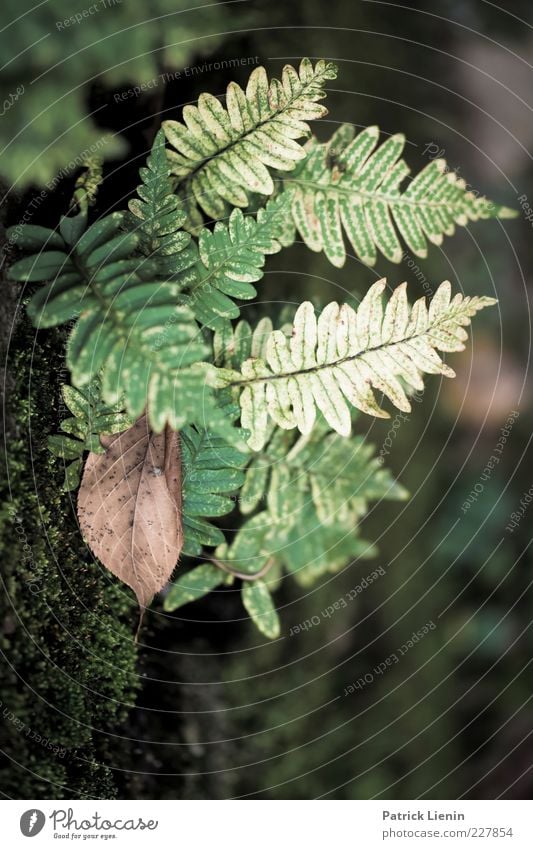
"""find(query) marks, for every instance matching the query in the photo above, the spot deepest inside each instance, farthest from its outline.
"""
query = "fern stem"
(243, 575)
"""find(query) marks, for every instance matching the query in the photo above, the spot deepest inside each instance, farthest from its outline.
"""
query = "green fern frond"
(231, 258)
(128, 328)
(212, 470)
(306, 549)
(311, 491)
(91, 418)
(228, 258)
(346, 354)
(353, 186)
(322, 550)
(223, 153)
(313, 494)
(158, 216)
(339, 479)
(316, 491)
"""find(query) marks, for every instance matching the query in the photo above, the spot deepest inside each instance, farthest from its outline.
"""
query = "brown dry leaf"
(129, 507)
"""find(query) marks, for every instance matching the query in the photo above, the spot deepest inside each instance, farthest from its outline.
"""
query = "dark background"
(209, 709)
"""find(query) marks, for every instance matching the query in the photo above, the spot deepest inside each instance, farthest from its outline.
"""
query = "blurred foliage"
(55, 51)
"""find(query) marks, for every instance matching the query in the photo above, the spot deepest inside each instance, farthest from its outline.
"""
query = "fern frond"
(316, 491)
(158, 216)
(306, 549)
(231, 258)
(346, 354)
(339, 479)
(222, 153)
(353, 186)
(91, 418)
(212, 470)
(322, 550)
(228, 258)
(128, 328)
(313, 494)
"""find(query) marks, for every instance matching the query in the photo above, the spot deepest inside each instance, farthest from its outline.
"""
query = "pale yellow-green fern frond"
(354, 186)
(222, 153)
(344, 355)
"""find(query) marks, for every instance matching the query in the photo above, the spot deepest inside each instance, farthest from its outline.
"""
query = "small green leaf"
(249, 550)
(75, 401)
(100, 232)
(259, 605)
(72, 227)
(111, 422)
(31, 237)
(63, 446)
(74, 426)
(43, 266)
(92, 443)
(194, 584)
(120, 247)
(72, 475)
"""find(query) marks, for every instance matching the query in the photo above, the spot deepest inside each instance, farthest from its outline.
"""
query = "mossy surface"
(66, 628)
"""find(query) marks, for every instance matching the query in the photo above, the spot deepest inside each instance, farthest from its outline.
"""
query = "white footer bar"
(268, 824)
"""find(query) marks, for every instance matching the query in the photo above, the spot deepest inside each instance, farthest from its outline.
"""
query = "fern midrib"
(349, 359)
(390, 200)
(223, 150)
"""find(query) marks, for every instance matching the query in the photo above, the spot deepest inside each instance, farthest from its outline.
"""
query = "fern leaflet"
(260, 607)
(194, 584)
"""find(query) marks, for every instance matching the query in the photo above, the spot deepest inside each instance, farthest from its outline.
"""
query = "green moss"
(66, 627)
